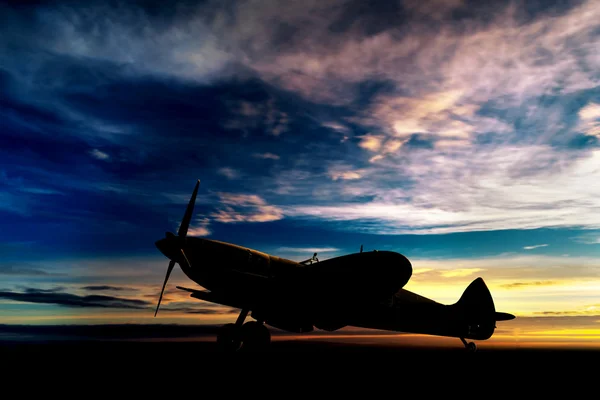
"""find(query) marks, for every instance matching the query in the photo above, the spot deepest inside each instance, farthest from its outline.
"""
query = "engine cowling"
(356, 278)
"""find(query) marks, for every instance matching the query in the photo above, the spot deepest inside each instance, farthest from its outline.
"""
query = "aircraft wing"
(213, 298)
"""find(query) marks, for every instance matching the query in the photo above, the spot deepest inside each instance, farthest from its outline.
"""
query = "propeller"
(169, 269)
(183, 228)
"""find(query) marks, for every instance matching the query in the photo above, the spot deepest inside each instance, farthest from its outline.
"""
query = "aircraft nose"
(166, 247)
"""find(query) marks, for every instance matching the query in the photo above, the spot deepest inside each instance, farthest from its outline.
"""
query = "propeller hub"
(169, 246)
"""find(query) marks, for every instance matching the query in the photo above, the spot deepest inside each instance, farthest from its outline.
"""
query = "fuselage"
(220, 266)
(275, 285)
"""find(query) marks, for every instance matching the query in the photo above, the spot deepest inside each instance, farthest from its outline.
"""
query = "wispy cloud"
(245, 208)
(229, 173)
(25, 270)
(100, 155)
(590, 238)
(534, 246)
(71, 300)
(200, 227)
(264, 115)
(461, 272)
(344, 172)
(518, 285)
(103, 288)
(512, 187)
(267, 156)
(336, 126)
(590, 119)
(371, 142)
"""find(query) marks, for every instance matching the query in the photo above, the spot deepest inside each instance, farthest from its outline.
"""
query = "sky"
(463, 134)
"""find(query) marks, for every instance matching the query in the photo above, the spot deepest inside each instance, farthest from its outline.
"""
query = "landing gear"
(252, 335)
(470, 346)
(255, 336)
(229, 338)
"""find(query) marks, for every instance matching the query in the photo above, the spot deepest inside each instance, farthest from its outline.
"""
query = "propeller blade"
(169, 269)
(187, 217)
(185, 258)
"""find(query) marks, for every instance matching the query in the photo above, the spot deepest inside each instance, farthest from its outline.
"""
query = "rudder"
(477, 299)
(477, 310)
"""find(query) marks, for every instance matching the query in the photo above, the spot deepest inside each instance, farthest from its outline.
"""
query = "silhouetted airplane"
(364, 289)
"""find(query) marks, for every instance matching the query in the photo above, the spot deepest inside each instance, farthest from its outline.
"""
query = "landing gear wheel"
(470, 346)
(229, 338)
(255, 336)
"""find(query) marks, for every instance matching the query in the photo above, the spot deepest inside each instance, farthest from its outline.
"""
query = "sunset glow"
(462, 134)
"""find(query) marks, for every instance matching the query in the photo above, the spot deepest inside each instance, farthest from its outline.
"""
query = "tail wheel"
(470, 346)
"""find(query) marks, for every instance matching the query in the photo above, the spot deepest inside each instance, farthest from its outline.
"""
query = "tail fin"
(476, 311)
(477, 300)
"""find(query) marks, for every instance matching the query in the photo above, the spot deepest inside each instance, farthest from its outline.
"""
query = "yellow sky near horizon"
(556, 299)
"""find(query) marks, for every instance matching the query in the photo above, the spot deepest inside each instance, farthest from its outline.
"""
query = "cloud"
(590, 119)
(590, 111)
(100, 155)
(101, 288)
(267, 156)
(518, 285)
(590, 238)
(245, 208)
(200, 227)
(71, 300)
(344, 172)
(263, 116)
(229, 173)
(433, 8)
(462, 272)
(24, 270)
(336, 126)
(417, 271)
(371, 142)
(204, 311)
(345, 175)
(588, 310)
(556, 278)
(57, 296)
(534, 247)
(511, 187)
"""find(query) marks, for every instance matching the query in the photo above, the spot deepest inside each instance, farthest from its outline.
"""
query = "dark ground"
(159, 361)
(181, 343)
(183, 350)
(183, 361)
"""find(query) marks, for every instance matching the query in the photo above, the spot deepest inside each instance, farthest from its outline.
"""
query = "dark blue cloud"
(101, 288)
(70, 300)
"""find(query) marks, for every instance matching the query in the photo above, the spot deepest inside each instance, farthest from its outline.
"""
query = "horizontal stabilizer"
(502, 316)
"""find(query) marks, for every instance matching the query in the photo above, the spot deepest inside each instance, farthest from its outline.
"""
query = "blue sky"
(451, 131)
